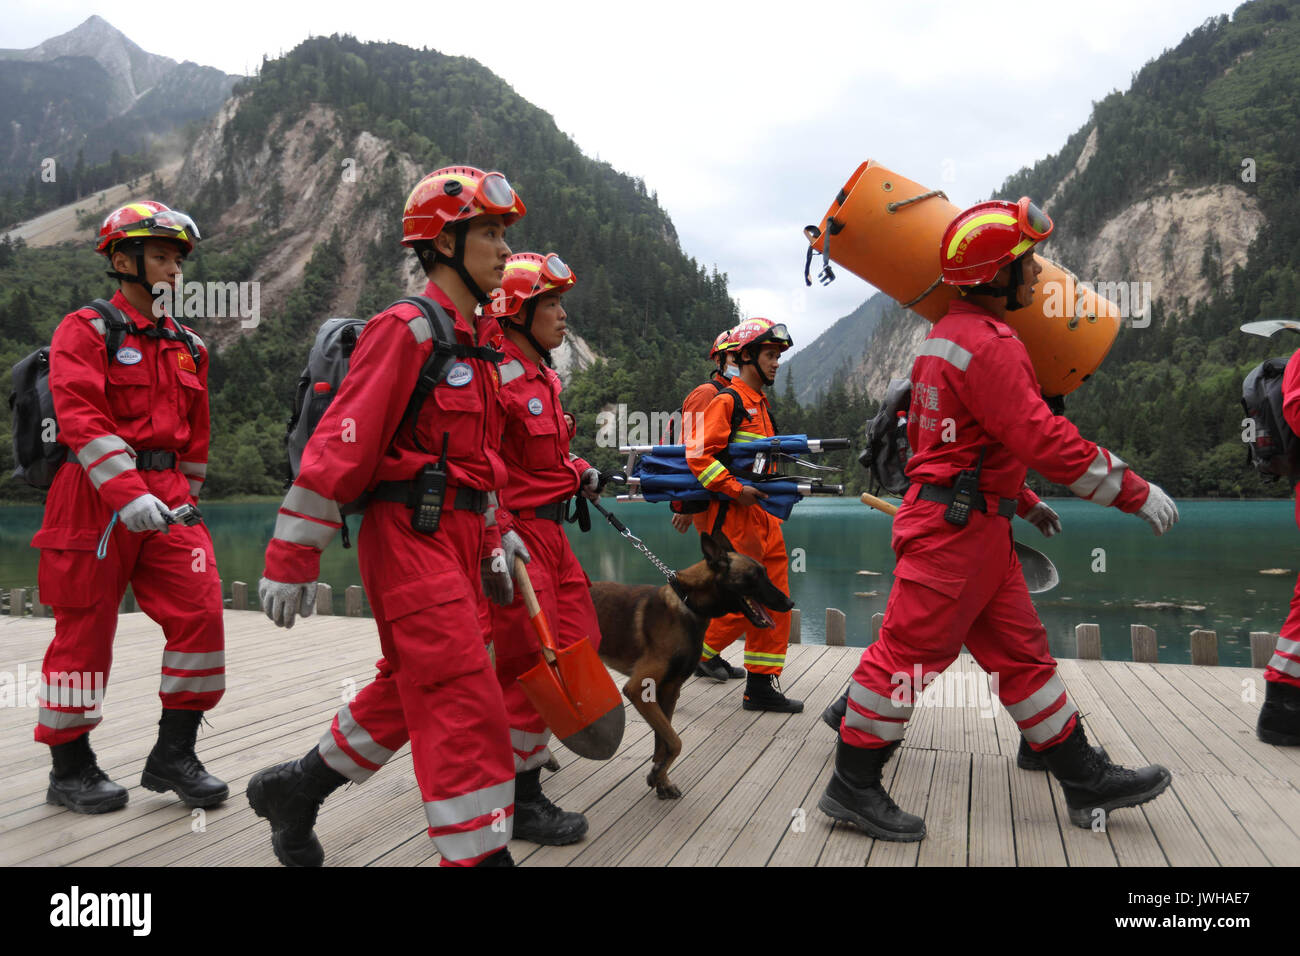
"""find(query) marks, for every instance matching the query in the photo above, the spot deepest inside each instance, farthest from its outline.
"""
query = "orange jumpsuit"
(750, 529)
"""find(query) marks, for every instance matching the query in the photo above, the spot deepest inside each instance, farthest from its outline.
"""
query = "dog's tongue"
(764, 619)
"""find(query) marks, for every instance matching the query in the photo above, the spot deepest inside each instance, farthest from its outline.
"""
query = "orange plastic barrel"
(886, 229)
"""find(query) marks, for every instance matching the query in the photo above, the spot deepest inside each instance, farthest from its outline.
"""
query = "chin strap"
(457, 261)
(1007, 291)
(139, 270)
(527, 329)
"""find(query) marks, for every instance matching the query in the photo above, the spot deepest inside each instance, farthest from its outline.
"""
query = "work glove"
(1158, 510)
(282, 602)
(591, 483)
(145, 513)
(497, 569)
(1044, 519)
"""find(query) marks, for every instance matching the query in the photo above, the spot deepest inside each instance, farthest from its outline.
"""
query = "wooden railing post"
(835, 627)
(1087, 638)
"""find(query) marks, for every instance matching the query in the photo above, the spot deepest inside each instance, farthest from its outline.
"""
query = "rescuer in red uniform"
(435, 683)
(978, 419)
(751, 530)
(137, 423)
(1279, 717)
(541, 476)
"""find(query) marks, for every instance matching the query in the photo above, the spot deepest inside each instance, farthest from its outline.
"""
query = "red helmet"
(453, 194)
(988, 236)
(755, 333)
(723, 344)
(145, 219)
(527, 276)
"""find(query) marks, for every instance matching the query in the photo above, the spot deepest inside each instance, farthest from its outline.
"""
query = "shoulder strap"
(115, 325)
(737, 410)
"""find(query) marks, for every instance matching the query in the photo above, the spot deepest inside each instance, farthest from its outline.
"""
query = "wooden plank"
(789, 809)
(1159, 735)
(844, 844)
(1205, 648)
(1227, 839)
(1145, 648)
(1210, 735)
(911, 791)
(947, 815)
(1033, 821)
(1262, 646)
(1087, 638)
(1277, 841)
(992, 842)
(835, 627)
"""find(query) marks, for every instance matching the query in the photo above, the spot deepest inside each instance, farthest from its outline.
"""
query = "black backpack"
(1275, 452)
(328, 362)
(887, 452)
(36, 457)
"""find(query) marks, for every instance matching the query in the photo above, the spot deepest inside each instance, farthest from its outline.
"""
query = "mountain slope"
(835, 353)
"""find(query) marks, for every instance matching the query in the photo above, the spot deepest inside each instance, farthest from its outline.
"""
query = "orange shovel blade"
(578, 701)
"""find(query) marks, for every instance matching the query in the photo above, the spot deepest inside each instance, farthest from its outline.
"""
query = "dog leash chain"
(622, 529)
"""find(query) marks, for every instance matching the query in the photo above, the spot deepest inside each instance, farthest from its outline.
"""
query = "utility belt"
(556, 511)
(964, 494)
(406, 493)
(945, 495)
(152, 459)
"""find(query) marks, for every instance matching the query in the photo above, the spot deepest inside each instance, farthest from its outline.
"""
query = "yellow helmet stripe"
(992, 217)
(1022, 246)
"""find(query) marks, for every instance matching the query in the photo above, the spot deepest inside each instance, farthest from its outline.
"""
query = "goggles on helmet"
(492, 193)
(1034, 223)
(554, 270)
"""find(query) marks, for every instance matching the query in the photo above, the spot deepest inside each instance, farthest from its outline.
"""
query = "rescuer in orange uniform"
(137, 423)
(751, 530)
(978, 420)
(435, 685)
(541, 476)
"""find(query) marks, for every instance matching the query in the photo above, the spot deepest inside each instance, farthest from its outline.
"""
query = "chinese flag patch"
(185, 360)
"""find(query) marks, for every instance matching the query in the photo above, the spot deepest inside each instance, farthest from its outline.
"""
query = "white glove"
(282, 602)
(497, 570)
(146, 513)
(1044, 519)
(1159, 510)
(591, 483)
(513, 545)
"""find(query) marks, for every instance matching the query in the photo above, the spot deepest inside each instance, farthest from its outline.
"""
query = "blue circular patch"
(461, 374)
(535, 406)
(129, 356)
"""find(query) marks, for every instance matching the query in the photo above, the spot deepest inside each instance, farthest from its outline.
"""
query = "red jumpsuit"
(750, 529)
(539, 472)
(435, 684)
(1284, 666)
(154, 397)
(973, 384)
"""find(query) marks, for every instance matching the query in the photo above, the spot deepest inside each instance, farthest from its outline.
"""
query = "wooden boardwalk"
(750, 782)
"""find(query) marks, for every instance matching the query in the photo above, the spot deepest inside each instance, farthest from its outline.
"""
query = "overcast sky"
(746, 118)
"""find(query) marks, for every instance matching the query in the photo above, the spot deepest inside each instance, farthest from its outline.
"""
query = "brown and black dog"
(652, 636)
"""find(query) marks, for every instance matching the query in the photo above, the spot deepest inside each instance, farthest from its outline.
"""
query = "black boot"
(173, 765)
(501, 857)
(537, 820)
(1091, 782)
(763, 693)
(76, 782)
(1032, 760)
(836, 711)
(855, 796)
(1279, 718)
(718, 669)
(288, 796)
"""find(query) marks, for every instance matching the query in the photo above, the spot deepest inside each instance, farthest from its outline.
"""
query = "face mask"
(731, 372)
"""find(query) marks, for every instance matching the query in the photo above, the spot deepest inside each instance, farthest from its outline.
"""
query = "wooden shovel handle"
(888, 507)
(525, 585)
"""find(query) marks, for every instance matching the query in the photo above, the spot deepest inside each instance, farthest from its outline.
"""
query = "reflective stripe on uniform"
(195, 486)
(710, 474)
(62, 720)
(510, 371)
(709, 653)
(1103, 480)
(298, 530)
(868, 699)
(194, 469)
(764, 660)
(884, 729)
(533, 761)
(947, 350)
(750, 436)
(1287, 646)
(468, 807)
(1285, 665)
(359, 739)
(469, 844)
(525, 742)
(173, 684)
(1049, 727)
(420, 328)
(98, 325)
(306, 502)
(110, 468)
(1038, 701)
(100, 447)
(178, 660)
